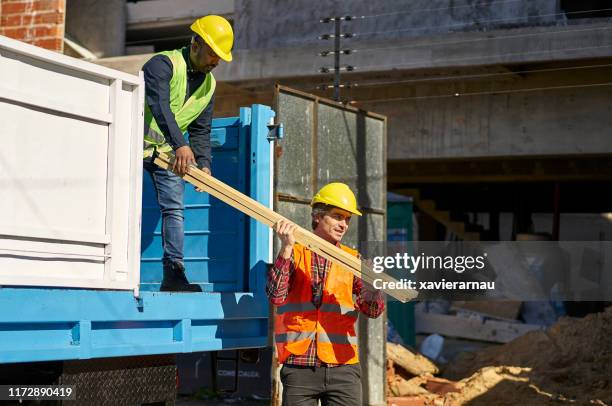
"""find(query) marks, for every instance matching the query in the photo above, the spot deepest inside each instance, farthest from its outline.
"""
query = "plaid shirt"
(372, 304)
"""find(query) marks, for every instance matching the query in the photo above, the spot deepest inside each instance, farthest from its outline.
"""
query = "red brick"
(49, 5)
(16, 33)
(406, 401)
(11, 21)
(54, 44)
(45, 31)
(440, 386)
(14, 8)
(49, 18)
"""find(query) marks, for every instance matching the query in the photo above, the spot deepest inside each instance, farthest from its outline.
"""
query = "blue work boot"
(175, 279)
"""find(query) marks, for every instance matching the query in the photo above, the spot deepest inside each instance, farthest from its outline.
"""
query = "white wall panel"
(70, 171)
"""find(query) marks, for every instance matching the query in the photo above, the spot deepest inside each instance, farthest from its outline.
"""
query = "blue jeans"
(170, 190)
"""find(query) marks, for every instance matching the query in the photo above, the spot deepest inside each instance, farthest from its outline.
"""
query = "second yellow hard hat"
(339, 195)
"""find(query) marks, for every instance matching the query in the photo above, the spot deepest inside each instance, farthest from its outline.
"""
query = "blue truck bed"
(225, 252)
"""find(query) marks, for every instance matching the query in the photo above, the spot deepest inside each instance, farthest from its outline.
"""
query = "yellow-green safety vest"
(184, 111)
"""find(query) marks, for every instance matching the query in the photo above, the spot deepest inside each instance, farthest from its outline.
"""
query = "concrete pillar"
(372, 355)
(98, 25)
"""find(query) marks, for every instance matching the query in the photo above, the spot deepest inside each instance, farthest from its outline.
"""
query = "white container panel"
(70, 171)
(121, 178)
(54, 170)
(77, 91)
(59, 261)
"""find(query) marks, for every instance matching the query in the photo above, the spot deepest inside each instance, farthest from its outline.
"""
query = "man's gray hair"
(319, 209)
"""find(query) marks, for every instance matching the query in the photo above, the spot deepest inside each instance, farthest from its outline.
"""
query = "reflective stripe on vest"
(294, 336)
(336, 308)
(185, 112)
(296, 307)
(324, 337)
(309, 306)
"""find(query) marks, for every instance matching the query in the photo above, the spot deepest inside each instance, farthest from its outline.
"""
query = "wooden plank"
(473, 329)
(414, 363)
(267, 216)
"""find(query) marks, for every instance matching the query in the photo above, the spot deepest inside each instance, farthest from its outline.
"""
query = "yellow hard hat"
(338, 195)
(217, 32)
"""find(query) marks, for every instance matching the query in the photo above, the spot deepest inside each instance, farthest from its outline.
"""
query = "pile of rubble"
(569, 363)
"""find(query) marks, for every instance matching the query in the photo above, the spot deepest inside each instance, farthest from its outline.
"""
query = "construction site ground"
(568, 364)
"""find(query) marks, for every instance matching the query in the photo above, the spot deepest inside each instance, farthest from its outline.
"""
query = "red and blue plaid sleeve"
(277, 286)
(370, 303)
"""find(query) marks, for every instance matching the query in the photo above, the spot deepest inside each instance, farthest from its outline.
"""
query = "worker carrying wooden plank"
(179, 93)
(314, 327)
(312, 282)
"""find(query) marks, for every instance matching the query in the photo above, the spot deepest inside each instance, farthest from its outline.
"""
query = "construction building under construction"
(494, 108)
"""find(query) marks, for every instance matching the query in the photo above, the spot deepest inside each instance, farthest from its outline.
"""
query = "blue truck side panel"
(216, 237)
(225, 252)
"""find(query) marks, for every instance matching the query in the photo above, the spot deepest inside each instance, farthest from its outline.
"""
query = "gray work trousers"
(337, 386)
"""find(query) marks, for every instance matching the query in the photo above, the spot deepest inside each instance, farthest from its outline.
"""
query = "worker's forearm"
(279, 280)
(369, 302)
(286, 251)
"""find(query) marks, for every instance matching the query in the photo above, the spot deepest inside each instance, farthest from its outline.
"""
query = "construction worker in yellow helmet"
(317, 307)
(179, 100)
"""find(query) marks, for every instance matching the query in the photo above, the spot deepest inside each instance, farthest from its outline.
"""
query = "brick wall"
(38, 22)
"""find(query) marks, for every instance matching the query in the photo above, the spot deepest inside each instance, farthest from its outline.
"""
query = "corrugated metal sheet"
(333, 143)
(294, 166)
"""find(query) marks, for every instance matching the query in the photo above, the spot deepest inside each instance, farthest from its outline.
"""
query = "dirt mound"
(568, 364)
(571, 362)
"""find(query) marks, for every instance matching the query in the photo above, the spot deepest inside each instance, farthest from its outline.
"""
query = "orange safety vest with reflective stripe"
(332, 325)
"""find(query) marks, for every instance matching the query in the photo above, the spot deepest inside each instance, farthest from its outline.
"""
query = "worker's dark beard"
(208, 68)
